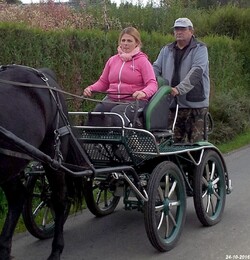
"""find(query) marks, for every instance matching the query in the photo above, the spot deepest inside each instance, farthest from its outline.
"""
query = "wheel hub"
(166, 204)
(210, 188)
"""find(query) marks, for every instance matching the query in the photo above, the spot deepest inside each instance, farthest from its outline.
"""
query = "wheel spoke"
(160, 222)
(204, 194)
(216, 194)
(212, 171)
(167, 226)
(45, 217)
(159, 208)
(173, 219)
(174, 204)
(172, 189)
(212, 206)
(160, 192)
(204, 181)
(216, 180)
(208, 202)
(167, 184)
(40, 206)
(207, 171)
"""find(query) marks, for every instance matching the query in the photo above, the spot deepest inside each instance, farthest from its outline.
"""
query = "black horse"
(35, 115)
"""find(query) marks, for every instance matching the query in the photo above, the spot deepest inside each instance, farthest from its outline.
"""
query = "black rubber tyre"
(165, 211)
(209, 189)
(38, 214)
(100, 199)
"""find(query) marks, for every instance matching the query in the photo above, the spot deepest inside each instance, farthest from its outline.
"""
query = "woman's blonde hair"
(133, 32)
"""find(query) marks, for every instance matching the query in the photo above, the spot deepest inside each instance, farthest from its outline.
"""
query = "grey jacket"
(194, 87)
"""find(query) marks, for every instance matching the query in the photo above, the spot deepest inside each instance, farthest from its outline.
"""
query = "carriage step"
(229, 187)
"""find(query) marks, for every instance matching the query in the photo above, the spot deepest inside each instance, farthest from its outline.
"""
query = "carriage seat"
(155, 114)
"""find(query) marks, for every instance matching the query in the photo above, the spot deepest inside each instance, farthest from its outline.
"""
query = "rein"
(29, 85)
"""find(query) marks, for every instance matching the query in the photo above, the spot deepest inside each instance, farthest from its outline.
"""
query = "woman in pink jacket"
(127, 76)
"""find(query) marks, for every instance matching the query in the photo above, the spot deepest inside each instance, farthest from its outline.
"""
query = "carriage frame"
(149, 172)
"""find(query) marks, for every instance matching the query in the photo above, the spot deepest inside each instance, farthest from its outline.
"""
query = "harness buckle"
(44, 78)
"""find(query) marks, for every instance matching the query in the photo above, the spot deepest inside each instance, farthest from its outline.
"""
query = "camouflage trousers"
(190, 125)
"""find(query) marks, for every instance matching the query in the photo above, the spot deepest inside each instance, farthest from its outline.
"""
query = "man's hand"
(174, 92)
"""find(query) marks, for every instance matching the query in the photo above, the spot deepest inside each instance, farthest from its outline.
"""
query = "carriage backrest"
(156, 112)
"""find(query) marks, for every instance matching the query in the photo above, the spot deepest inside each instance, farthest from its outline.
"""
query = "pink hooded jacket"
(126, 77)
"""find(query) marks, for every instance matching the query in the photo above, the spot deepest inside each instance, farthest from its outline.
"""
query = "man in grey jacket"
(184, 66)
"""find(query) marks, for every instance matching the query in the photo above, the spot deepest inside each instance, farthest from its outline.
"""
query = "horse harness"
(59, 131)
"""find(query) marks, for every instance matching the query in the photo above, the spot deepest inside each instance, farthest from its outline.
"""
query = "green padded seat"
(156, 113)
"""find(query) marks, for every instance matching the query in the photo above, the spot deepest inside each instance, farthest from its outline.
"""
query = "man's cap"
(182, 22)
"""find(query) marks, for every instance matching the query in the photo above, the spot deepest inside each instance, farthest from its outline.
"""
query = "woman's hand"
(87, 92)
(139, 95)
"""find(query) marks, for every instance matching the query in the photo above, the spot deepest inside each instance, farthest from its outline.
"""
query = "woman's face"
(128, 43)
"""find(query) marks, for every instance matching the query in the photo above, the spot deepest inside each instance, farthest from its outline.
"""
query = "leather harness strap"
(15, 154)
(59, 132)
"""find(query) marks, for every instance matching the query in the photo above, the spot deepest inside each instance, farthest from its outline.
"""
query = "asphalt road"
(122, 235)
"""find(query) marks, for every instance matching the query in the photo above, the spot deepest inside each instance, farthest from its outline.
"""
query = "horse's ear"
(49, 73)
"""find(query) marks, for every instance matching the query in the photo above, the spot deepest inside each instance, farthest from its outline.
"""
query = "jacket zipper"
(119, 79)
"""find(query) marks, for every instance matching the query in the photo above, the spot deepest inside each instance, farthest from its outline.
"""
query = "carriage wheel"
(209, 189)
(165, 211)
(38, 214)
(100, 198)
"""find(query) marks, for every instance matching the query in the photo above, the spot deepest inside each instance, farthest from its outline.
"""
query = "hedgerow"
(76, 42)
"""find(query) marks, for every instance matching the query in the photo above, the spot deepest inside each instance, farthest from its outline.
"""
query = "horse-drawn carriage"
(144, 167)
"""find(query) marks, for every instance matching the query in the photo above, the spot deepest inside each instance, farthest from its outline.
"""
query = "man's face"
(183, 33)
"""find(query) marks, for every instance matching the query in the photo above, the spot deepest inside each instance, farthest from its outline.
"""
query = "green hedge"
(78, 58)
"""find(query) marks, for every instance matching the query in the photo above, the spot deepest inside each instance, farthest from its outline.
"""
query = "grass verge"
(239, 142)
